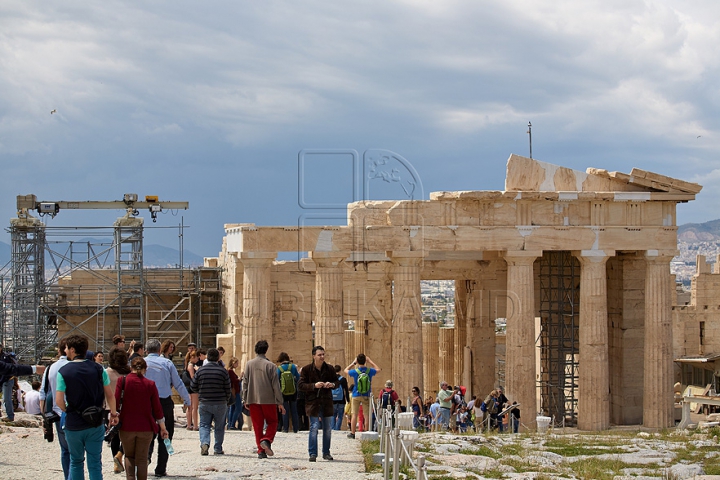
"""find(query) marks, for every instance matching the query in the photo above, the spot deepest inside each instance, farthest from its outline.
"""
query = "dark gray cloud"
(211, 103)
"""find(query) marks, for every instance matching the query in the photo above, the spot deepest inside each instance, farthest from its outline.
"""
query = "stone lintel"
(520, 255)
(661, 255)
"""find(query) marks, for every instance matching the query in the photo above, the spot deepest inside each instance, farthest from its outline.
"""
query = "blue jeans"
(82, 442)
(327, 435)
(64, 450)
(338, 414)
(290, 411)
(7, 399)
(208, 413)
(444, 417)
(515, 423)
(235, 413)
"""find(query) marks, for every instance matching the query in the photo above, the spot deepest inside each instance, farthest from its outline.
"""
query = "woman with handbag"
(140, 416)
(192, 415)
(234, 413)
(118, 366)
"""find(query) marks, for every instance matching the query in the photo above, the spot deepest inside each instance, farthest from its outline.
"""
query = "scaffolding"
(66, 280)
(559, 316)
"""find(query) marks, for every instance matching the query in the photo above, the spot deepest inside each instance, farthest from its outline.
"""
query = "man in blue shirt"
(356, 370)
(82, 385)
(162, 371)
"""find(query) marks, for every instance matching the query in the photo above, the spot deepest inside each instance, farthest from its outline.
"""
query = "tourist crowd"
(130, 403)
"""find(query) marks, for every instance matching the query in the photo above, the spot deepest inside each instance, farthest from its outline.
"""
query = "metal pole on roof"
(529, 131)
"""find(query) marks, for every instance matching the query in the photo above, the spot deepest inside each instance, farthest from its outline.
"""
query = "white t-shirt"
(32, 402)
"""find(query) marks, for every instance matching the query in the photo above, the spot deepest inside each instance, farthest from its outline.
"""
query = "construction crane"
(29, 329)
(28, 203)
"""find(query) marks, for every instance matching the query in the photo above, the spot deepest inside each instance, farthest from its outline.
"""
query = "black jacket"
(318, 401)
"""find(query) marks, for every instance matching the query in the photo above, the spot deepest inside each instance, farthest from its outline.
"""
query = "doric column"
(446, 354)
(461, 299)
(431, 367)
(658, 380)
(257, 324)
(407, 351)
(329, 305)
(520, 330)
(594, 365)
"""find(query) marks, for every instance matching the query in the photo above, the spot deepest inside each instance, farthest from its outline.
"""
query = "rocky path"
(24, 454)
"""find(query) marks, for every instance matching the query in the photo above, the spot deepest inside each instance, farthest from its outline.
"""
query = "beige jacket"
(261, 384)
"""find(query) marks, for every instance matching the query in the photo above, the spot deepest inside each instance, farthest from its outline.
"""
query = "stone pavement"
(25, 455)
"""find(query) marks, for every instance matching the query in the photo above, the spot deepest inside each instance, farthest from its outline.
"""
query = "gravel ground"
(24, 454)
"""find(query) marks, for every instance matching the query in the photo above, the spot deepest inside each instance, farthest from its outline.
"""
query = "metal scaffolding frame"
(559, 279)
(38, 299)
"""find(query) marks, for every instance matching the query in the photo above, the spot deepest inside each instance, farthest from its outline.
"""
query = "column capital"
(660, 256)
(328, 259)
(593, 256)
(257, 258)
(405, 258)
(521, 257)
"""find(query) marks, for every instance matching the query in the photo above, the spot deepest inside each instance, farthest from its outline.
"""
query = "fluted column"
(329, 305)
(461, 299)
(431, 367)
(407, 351)
(520, 331)
(446, 354)
(658, 380)
(594, 365)
(257, 324)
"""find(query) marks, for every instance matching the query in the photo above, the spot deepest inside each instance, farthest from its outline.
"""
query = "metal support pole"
(396, 454)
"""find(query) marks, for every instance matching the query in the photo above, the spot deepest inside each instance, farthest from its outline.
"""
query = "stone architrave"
(658, 397)
(407, 345)
(431, 366)
(520, 330)
(329, 305)
(594, 368)
(257, 322)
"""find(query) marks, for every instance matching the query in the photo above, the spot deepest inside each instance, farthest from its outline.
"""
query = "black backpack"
(386, 399)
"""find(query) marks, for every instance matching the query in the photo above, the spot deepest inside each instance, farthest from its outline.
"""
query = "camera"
(49, 435)
(111, 432)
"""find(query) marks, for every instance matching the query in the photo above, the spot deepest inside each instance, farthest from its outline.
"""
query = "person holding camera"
(140, 420)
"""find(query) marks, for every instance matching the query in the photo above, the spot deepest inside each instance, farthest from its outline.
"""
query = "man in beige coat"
(262, 396)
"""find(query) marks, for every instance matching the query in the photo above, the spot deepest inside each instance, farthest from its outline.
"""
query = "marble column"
(329, 305)
(257, 321)
(446, 355)
(481, 336)
(594, 365)
(658, 395)
(520, 331)
(431, 366)
(407, 346)
(461, 299)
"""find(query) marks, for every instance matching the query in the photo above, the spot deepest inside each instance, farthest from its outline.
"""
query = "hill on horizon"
(699, 232)
(154, 256)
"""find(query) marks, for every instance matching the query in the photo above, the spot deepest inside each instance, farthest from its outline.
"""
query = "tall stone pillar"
(431, 366)
(257, 321)
(461, 299)
(594, 364)
(658, 381)
(407, 351)
(520, 330)
(446, 355)
(329, 305)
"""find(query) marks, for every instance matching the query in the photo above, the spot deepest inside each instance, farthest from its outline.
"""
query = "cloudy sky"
(275, 113)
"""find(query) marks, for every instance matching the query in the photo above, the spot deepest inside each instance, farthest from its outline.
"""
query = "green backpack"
(363, 381)
(287, 381)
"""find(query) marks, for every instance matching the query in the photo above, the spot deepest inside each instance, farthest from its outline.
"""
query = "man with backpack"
(388, 396)
(362, 390)
(289, 376)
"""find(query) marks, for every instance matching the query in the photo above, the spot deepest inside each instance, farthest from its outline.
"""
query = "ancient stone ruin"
(577, 262)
